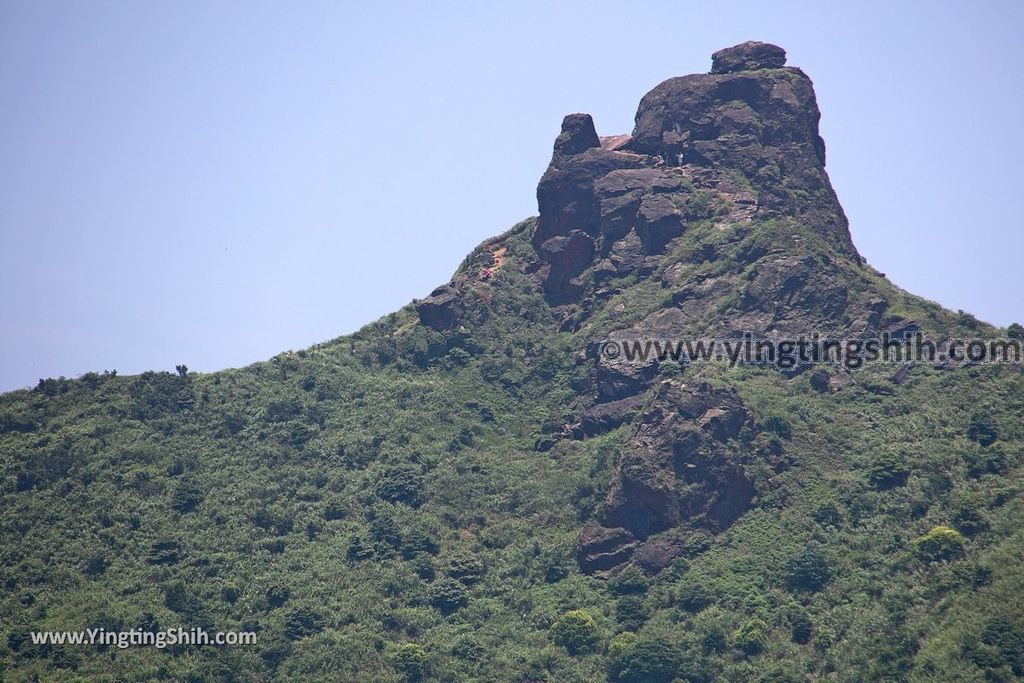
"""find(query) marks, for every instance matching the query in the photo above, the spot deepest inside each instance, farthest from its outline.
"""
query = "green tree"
(809, 570)
(302, 622)
(411, 660)
(752, 637)
(982, 429)
(887, 470)
(575, 630)
(631, 613)
(630, 581)
(465, 568)
(939, 545)
(447, 595)
(401, 484)
(649, 661)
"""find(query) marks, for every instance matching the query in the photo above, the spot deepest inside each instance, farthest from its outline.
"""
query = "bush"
(618, 650)
(447, 595)
(468, 648)
(752, 637)
(809, 570)
(401, 484)
(187, 496)
(982, 429)
(985, 461)
(630, 581)
(410, 659)
(302, 622)
(939, 545)
(778, 425)
(575, 630)
(230, 594)
(631, 613)
(648, 661)
(828, 514)
(1001, 644)
(968, 515)
(465, 568)
(887, 471)
(277, 595)
(800, 626)
(419, 540)
(693, 596)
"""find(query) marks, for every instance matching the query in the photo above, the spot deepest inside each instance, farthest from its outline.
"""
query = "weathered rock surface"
(748, 56)
(601, 548)
(679, 470)
(680, 456)
(442, 309)
(729, 145)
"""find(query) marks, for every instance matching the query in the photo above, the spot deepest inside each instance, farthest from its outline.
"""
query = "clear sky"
(211, 183)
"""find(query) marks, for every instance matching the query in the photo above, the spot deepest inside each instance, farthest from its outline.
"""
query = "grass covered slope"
(375, 509)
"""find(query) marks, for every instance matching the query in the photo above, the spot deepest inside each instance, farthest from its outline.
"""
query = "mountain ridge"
(468, 490)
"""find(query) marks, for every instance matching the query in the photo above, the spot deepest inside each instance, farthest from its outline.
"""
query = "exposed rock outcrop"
(442, 309)
(679, 469)
(748, 56)
(745, 135)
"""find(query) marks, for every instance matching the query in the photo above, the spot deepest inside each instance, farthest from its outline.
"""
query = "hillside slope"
(474, 489)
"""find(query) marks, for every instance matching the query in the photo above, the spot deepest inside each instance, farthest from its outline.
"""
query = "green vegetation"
(376, 510)
(576, 631)
(939, 545)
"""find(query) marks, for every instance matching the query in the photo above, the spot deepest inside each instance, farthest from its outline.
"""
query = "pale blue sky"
(211, 183)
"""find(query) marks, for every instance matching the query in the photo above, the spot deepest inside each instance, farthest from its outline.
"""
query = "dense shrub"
(418, 539)
(631, 613)
(809, 570)
(283, 410)
(575, 630)
(940, 544)
(778, 425)
(800, 626)
(1000, 644)
(187, 496)
(630, 581)
(465, 568)
(982, 429)
(752, 637)
(401, 484)
(967, 515)
(447, 595)
(410, 659)
(887, 471)
(828, 514)
(985, 461)
(277, 595)
(302, 622)
(647, 661)
(618, 650)
(693, 596)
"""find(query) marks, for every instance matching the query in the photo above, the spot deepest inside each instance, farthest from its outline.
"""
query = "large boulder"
(680, 466)
(442, 309)
(748, 56)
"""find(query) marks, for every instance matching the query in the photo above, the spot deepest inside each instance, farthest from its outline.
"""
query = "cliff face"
(740, 142)
(720, 195)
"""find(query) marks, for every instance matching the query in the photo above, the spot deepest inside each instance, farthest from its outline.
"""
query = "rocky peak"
(578, 135)
(744, 136)
(748, 56)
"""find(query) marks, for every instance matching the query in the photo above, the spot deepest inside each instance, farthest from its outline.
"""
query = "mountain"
(483, 486)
